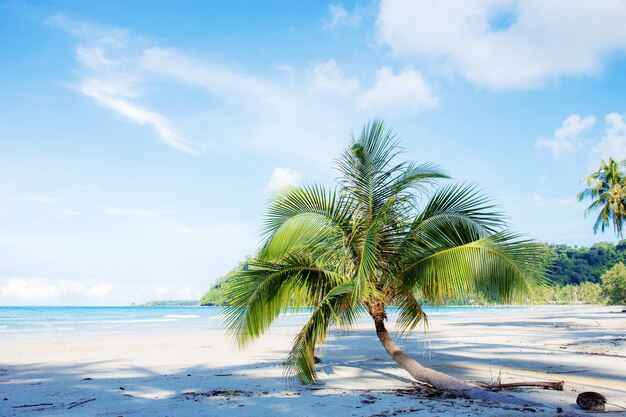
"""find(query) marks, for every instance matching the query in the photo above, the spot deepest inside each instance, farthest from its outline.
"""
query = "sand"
(189, 373)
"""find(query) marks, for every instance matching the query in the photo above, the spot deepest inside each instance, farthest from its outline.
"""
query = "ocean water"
(42, 321)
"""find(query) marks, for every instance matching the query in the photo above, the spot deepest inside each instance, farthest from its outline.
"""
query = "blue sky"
(139, 141)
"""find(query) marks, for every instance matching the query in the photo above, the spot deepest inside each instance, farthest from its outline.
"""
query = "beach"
(191, 368)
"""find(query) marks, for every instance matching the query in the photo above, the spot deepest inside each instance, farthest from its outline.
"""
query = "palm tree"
(607, 189)
(368, 244)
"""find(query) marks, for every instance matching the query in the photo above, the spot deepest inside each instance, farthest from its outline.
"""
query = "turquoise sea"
(27, 321)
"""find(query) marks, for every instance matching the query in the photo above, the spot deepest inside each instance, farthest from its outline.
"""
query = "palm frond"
(333, 307)
(504, 263)
(370, 175)
(258, 294)
(410, 312)
(412, 176)
(376, 243)
(317, 204)
(461, 203)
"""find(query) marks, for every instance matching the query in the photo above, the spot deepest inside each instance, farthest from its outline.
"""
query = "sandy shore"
(185, 373)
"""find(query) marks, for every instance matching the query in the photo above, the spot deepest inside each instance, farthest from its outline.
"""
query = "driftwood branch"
(558, 386)
(81, 402)
(32, 405)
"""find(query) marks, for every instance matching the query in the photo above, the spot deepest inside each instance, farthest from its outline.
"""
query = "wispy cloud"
(109, 95)
(122, 72)
(338, 17)
(217, 79)
(110, 74)
(328, 77)
(567, 138)
(613, 141)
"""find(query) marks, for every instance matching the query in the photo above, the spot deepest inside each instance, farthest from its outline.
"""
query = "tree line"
(575, 277)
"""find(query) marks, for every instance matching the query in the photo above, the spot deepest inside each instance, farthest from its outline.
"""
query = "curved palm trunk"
(437, 379)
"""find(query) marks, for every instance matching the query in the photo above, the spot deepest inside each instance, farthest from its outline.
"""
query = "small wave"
(136, 321)
(109, 321)
(182, 316)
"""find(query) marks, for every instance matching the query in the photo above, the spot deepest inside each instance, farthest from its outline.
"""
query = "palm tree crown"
(384, 236)
(607, 188)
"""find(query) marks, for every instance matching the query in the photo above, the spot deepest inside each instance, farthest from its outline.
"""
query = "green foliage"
(575, 265)
(217, 295)
(585, 293)
(383, 236)
(607, 190)
(614, 284)
(590, 293)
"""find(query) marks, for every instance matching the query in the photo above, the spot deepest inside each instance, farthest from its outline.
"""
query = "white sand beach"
(198, 372)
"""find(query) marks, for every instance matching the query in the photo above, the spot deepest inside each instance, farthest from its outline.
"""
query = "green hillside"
(575, 265)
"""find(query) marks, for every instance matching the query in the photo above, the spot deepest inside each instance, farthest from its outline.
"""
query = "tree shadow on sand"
(347, 374)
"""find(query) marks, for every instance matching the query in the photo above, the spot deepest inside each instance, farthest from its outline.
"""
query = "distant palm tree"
(368, 244)
(607, 188)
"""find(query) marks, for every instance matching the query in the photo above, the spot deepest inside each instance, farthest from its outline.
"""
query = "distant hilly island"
(172, 303)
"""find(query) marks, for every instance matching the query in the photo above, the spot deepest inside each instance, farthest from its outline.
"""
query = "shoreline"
(190, 372)
(67, 321)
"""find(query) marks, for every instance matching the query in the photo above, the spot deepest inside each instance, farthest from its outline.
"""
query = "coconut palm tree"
(383, 237)
(607, 189)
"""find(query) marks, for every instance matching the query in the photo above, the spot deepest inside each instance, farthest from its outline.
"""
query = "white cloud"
(31, 289)
(89, 30)
(219, 80)
(567, 138)
(111, 95)
(283, 177)
(329, 77)
(93, 56)
(115, 83)
(338, 17)
(613, 142)
(99, 290)
(41, 290)
(407, 91)
(116, 211)
(504, 44)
